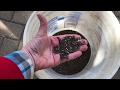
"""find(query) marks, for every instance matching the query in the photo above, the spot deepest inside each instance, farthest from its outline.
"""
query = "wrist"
(30, 56)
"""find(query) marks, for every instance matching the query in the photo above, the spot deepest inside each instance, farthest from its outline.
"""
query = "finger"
(75, 35)
(83, 48)
(43, 24)
(54, 41)
(84, 41)
(74, 55)
(57, 60)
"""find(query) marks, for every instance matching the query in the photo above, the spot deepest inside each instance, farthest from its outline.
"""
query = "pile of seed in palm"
(68, 45)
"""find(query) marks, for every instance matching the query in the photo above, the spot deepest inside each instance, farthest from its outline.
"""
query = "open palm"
(40, 48)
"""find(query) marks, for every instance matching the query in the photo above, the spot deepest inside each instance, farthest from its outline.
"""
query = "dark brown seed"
(67, 45)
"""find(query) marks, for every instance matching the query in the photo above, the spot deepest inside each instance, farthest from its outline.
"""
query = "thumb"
(43, 25)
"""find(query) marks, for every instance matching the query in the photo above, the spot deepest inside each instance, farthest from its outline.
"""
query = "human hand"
(40, 48)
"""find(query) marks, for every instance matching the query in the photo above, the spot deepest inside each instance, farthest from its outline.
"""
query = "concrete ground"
(12, 24)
